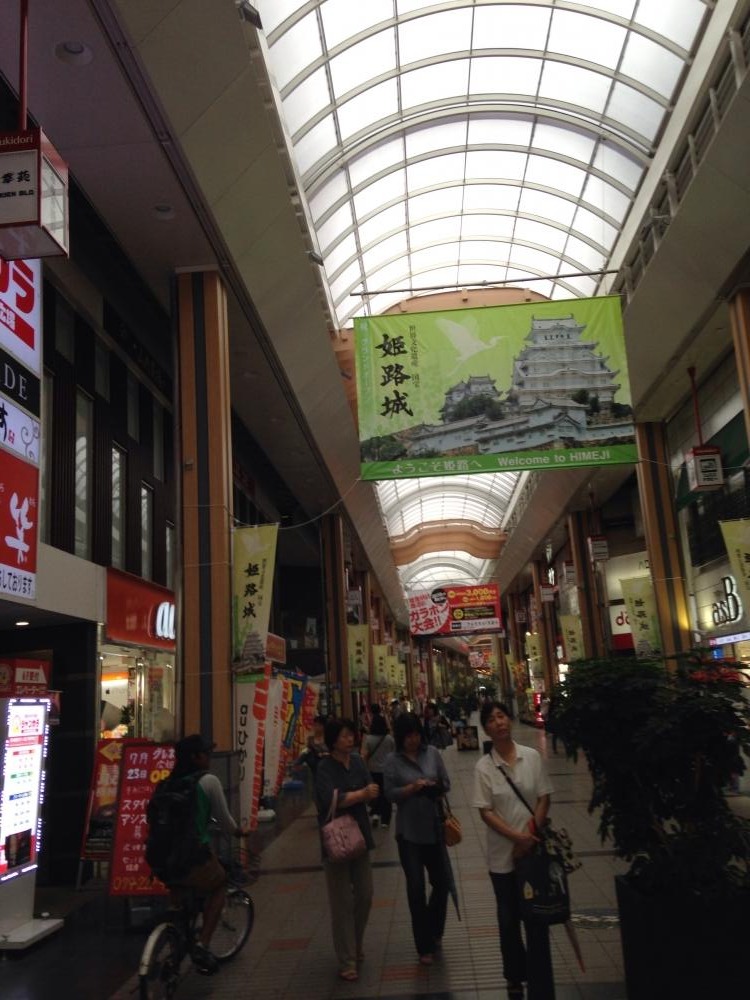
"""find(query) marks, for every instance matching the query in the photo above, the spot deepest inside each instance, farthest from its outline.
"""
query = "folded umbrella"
(450, 878)
(573, 937)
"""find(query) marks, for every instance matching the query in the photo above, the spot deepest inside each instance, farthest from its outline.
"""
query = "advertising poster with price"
(142, 767)
(25, 732)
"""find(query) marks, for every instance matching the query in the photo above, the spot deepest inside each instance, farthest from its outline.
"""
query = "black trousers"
(530, 963)
(381, 806)
(427, 915)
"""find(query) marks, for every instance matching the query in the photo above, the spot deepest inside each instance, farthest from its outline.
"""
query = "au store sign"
(19, 488)
(456, 610)
(139, 613)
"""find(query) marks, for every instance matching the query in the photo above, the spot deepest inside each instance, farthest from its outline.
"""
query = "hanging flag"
(737, 541)
(640, 601)
(572, 638)
(380, 661)
(253, 562)
(358, 641)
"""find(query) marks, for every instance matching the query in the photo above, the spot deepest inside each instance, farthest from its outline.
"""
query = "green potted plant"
(663, 745)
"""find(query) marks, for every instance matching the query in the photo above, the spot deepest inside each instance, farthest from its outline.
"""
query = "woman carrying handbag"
(343, 785)
(511, 835)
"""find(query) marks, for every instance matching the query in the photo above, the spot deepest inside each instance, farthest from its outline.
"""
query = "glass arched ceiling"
(480, 500)
(460, 142)
(438, 569)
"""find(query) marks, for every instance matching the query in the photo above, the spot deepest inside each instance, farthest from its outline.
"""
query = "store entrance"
(137, 693)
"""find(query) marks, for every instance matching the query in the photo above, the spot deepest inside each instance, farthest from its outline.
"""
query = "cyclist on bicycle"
(207, 876)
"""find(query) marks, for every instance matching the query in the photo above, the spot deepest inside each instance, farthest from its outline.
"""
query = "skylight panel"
(438, 170)
(486, 225)
(615, 164)
(475, 274)
(275, 12)
(585, 37)
(584, 287)
(491, 196)
(380, 193)
(444, 277)
(552, 173)
(434, 34)
(336, 226)
(575, 85)
(585, 256)
(446, 201)
(306, 100)
(443, 135)
(395, 273)
(504, 75)
(315, 144)
(478, 250)
(327, 195)
(561, 139)
(541, 234)
(438, 231)
(296, 49)
(380, 303)
(623, 8)
(546, 206)
(651, 64)
(511, 26)
(677, 20)
(385, 251)
(435, 83)
(631, 108)
(607, 199)
(594, 227)
(495, 164)
(382, 225)
(438, 256)
(373, 105)
(542, 288)
(343, 19)
(357, 64)
(340, 254)
(376, 158)
(505, 131)
(351, 277)
(540, 263)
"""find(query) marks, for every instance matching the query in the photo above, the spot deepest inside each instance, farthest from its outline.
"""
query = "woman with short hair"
(415, 778)
(349, 883)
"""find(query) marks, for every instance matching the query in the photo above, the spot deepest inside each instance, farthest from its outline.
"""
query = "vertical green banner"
(540, 385)
(644, 622)
(253, 562)
(380, 661)
(358, 642)
(572, 638)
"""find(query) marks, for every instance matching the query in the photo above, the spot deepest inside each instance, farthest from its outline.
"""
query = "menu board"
(142, 767)
(24, 750)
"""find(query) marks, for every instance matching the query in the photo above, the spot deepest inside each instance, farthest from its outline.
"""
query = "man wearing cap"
(192, 754)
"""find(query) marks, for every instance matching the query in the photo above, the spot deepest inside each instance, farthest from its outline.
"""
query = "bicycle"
(171, 941)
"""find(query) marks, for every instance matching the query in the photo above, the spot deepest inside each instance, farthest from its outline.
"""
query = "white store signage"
(718, 602)
(19, 431)
(19, 186)
(164, 626)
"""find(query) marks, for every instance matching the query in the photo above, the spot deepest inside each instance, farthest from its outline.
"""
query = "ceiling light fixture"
(74, 53)
(21, 624)
(164, 212)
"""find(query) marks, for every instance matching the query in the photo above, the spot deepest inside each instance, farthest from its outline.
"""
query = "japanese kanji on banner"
(644, 622)
(456, 610)
(358, 642)
(251, 706)
(254, 559)
(572, 631)
(98, 831)
(380, 662)
(540, 385)
(142, 767)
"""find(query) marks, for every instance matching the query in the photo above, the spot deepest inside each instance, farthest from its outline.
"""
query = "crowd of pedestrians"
(397, 761)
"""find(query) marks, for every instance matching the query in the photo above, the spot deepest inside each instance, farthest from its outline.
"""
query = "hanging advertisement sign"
(33, 196)
(24, 678)
(274, 736)
(619, 626)
(295, 696)
(394, 673)
(572, 638)
(19, 492)
(380, 664)
(456, 610)
(251, 705)
(23, 740)
(142, 767)
(98, 830)
(21, 330)
(737, 541)
(358, 643)
(253, 562)
(541, 385)
(640, 602)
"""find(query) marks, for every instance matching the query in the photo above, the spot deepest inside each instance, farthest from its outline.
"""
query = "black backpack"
(172, 844)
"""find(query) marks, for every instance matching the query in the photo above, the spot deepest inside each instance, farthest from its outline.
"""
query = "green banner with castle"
(542, 385)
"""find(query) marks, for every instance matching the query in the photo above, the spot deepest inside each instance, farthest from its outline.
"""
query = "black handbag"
(541, 876)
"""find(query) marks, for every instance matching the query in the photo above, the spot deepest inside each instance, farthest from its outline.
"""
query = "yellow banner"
(737, 540)
(572, 638)
(380, 662)
(253, 562)
(639, 597)
(532, 645)
(394, 674)
(358, 641)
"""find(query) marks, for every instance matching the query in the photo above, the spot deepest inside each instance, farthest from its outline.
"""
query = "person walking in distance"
(376, 748)
(349, 883)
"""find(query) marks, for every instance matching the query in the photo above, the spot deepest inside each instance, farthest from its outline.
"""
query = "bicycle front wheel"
(234, 926)
(159, 971)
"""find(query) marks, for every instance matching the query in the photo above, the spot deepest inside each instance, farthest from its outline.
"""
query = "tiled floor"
(290, 952)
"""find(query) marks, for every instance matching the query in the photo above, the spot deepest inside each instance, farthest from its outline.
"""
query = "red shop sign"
(24, 678)
(139, 613)
(142, 767)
